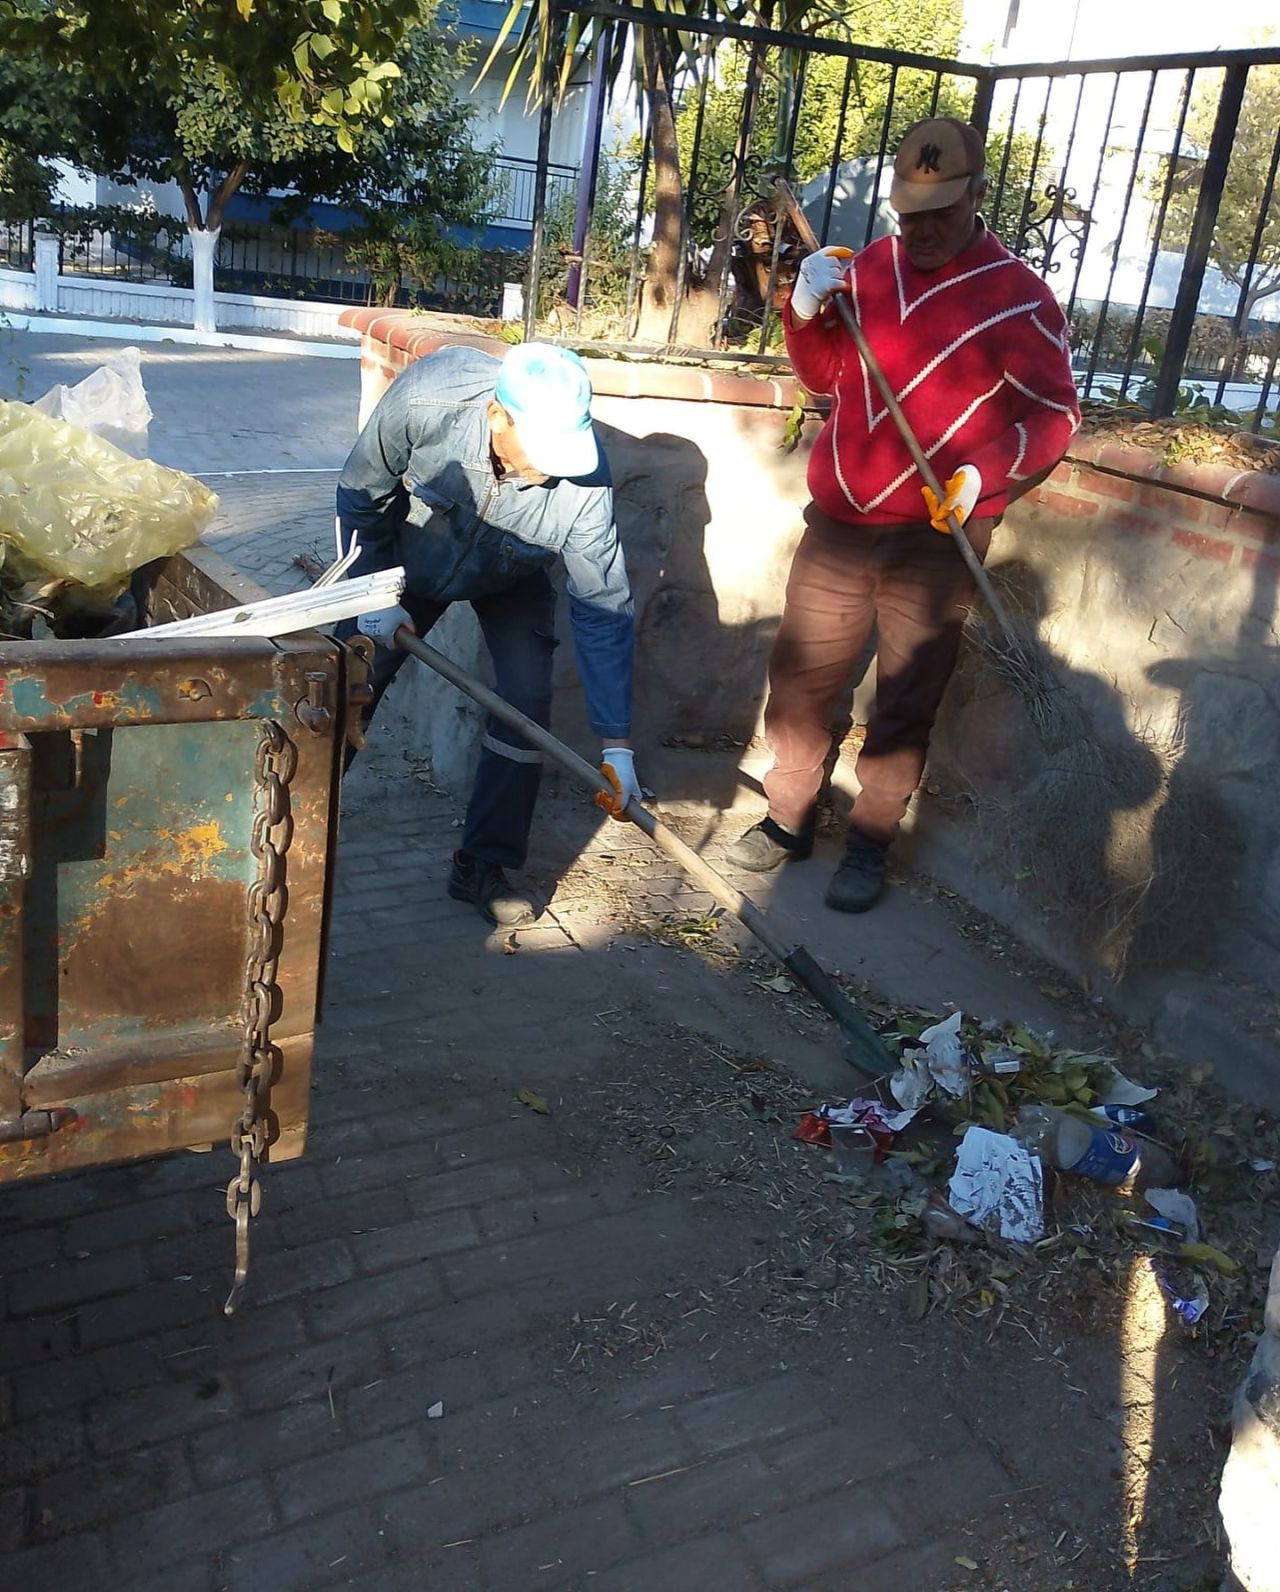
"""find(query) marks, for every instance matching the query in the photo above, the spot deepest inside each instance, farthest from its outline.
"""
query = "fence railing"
(1143, 190)
(517, 182)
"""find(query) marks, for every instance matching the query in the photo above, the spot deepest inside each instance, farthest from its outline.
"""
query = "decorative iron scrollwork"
(1064, 222)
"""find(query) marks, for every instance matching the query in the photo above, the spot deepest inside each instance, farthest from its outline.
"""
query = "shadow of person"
(1064, 793)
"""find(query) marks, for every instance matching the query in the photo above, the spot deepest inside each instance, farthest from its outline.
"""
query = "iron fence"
(516, 181)
(1143, 190)
(17, 245)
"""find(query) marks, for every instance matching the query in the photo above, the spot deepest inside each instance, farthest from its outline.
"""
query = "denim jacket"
(420, 490)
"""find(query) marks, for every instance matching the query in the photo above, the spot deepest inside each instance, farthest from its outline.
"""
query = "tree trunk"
(663, 271)
(204, 245)
(701, 309)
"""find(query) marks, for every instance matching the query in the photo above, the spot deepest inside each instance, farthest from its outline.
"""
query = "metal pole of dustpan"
(868, 1055)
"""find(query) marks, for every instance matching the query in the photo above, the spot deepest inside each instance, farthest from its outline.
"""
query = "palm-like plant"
(552, 44)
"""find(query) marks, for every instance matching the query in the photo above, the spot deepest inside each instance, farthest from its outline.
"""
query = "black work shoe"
(767, 845)
(857, 882)
(492, 894)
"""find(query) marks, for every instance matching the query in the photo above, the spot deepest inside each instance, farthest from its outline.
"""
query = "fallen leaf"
(965, 1562)
(535, 1102)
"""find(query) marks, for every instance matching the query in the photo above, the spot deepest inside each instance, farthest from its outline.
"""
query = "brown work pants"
(912, 584)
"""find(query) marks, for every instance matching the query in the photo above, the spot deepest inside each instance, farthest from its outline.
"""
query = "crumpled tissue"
(998, 1185)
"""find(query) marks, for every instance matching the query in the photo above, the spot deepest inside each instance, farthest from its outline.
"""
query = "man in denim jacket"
(476, 474)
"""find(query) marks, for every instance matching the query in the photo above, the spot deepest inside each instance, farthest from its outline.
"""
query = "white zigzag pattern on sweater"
(873, 420)
(906, 309)
(875, 502)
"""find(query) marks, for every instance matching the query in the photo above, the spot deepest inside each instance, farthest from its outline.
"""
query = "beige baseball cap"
(934, 163)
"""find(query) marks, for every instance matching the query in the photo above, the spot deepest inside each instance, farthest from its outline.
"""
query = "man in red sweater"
(974, 345)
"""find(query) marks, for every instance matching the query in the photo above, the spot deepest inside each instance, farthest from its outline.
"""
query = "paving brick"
(714, 1563)
(359, 1470)
(386, 1294)
(319, 1553)
(76, 1499)
(932, 1565)
(458, 1570)
(963, 1485)
(76, 1564)
(610, 1454)
(843, 1529)
(209, 1344)
(415, 1239)
(134, 1419)
(310, 1371)
(265, 1442)
(137, 1223)
(558, 1548)
(347, 1218)
(509, 1220)
(285, 1272)
(13, 1519)
(181, 1533)
(30, 1249)
(862, 1445)
(463, 1504)
(58, 1286)
(81, 1377)
(470, 1185)
(147, 1311)
(38, 1448)
(380, 1168)
(724, 1490)
(760, 1413)
(461, 1382)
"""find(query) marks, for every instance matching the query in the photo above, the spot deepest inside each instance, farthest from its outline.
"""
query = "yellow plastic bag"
(74, 508)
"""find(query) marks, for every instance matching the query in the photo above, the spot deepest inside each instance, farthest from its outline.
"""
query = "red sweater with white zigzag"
(977, 355)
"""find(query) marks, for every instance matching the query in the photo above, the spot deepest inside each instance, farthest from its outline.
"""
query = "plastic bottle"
(1126, 1117)
(1106, 1153)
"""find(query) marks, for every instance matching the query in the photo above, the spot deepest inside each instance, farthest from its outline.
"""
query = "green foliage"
(360, 104)
(609, 248)
(1241, 207)
(933, 26)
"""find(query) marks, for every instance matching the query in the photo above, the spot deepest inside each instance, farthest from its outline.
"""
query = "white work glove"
(618, 765)
(962, 491)
(821, 275)
(381, 624)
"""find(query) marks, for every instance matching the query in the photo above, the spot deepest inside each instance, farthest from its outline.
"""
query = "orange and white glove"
(821, 275)
(381, 624)
(962, 491)
(618, 765)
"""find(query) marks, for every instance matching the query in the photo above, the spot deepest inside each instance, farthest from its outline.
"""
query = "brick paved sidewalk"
(611, 1417)
(440, 1243)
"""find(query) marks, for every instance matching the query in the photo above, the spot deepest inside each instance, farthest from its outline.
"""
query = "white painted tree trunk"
(204, 244)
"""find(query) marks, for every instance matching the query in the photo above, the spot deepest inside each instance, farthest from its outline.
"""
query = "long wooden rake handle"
(867, 1053)
(844, 309)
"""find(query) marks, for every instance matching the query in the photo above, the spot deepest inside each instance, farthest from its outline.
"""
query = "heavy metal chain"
(274, 765)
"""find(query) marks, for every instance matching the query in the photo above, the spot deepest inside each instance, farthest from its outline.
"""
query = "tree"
(211, 94)
(1252, 167)
(551, 46)
(933, 26)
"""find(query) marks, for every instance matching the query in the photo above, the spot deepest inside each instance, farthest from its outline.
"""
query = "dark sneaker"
(857, 882)
(492, 894)
(767, 845)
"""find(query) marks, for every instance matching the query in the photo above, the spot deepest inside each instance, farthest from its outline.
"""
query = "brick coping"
(414, 336)
(417, 335)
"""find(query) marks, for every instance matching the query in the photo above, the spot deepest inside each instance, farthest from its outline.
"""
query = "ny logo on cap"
(930, 155)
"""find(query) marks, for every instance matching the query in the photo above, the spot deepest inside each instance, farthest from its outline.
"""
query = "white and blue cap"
(547, 393)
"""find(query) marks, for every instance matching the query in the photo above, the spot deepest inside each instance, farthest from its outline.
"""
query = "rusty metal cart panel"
(167, 821)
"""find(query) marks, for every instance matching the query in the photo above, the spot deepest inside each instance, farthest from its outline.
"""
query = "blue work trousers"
(518, 625)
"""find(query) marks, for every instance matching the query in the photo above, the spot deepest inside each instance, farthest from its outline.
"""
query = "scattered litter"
(1176, 1207)
(965, 1562)
(1262, 1164)
(1189, 1310)
(1107, 1155)
(998, 1184)
(948, 1065)
(1003, 1060)
(1122, 1091)
(535, 1102)
(436, 1410)
(1208, 1255)
(855, 1150)
(780, 985)
(942, 1220)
